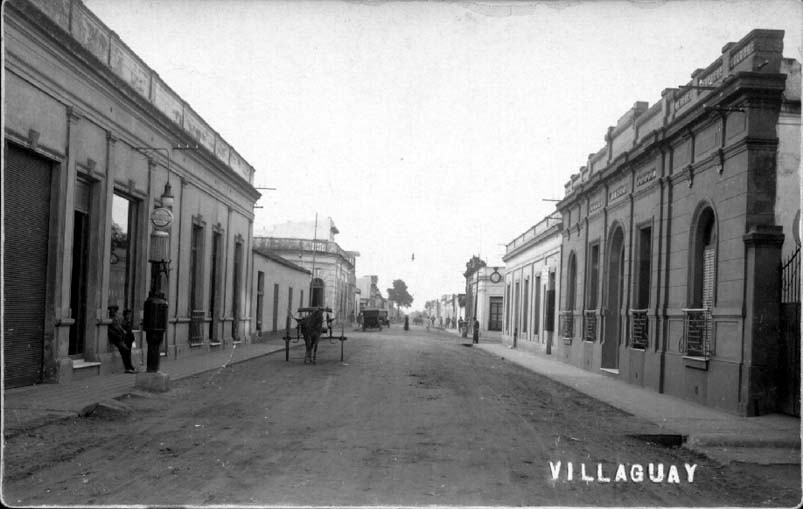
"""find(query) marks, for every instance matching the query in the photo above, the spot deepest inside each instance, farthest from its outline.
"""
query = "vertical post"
(287, 339)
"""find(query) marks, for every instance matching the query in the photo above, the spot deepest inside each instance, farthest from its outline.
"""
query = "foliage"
(399, 294)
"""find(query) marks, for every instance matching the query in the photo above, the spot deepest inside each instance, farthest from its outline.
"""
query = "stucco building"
(675, 230)
(311, 245)
(93, 140)
(370, 295)
(277, 290)
(484, 295)
(532, 264)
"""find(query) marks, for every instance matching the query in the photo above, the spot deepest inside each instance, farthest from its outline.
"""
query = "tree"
(399, 294)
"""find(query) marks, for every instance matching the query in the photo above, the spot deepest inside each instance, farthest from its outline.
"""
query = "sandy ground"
(409, 418)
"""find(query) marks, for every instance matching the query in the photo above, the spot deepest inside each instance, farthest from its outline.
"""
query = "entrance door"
(80, 262)
(613, 304)
(213, 288)
(26, 224)
(495, 314)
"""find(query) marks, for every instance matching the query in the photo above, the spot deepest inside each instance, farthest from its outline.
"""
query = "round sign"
(161, 218)
(496, 277)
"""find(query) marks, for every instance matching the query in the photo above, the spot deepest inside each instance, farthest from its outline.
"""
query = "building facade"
(277, 290)
(674, 233)
(370, 295)
(532, 264)
(312, 246)
(94, 140)
(484, 295)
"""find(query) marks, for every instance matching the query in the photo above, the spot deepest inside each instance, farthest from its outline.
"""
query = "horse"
(311, 328)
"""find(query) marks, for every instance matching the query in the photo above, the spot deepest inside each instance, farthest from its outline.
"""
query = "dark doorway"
(213, 288)
(316, 293)
(78, 283)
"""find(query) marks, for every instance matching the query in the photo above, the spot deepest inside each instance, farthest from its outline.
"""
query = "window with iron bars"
(697, 340)
(639, 328)
(567, 324)
(590, 333)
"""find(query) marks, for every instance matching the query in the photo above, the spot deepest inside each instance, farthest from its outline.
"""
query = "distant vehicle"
(372, 319)
(383, 318)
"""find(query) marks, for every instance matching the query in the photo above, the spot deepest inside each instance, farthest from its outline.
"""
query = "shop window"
(123, 256)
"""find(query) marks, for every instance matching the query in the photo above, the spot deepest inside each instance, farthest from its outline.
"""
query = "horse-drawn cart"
(311, 325)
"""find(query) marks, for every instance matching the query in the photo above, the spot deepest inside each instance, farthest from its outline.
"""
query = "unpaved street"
(410, 418)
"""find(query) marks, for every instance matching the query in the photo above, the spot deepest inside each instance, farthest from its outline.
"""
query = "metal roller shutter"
(26, 223)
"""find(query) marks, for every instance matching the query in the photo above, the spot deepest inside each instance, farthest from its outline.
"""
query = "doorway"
(26, 225)
(80, 263)
(613, 302)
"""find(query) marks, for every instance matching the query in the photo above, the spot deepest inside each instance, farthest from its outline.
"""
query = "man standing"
(476, 331)
(118, 338)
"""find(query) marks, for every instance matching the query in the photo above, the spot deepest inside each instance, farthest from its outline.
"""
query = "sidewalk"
(35, 405)
(769, 439)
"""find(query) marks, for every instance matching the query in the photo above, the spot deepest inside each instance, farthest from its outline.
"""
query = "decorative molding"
(198, 220)
(73, 115)
(689, 169)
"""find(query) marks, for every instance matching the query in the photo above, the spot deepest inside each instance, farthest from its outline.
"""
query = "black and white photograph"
(401, 253)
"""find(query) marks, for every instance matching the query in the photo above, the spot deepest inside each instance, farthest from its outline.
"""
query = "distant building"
(277, 290)
(532, 265)
(370, 295)
(484, 294)
(675, 231)
(332, 269)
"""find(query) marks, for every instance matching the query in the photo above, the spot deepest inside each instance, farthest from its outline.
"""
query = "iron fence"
(790, 278)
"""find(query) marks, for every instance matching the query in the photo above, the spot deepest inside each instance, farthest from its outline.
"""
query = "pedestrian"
(476, 331)
(406, 323)
(128, 326)
(117, 337)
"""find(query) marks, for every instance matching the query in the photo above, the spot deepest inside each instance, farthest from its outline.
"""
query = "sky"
(434, 129)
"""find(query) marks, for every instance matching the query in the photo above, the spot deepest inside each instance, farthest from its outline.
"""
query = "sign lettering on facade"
(645, 177)
(617, 192)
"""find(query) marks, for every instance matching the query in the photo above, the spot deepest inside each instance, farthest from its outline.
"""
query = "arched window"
(704, 249)
(698, 323)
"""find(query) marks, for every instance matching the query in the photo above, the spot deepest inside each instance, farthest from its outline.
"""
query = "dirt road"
(410, 418)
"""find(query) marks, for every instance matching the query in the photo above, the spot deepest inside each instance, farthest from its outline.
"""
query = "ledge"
(700, 363)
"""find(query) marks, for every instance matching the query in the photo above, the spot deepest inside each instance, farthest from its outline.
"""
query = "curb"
(717, 440)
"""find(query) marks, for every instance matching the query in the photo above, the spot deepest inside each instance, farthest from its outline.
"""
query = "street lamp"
(155, 311)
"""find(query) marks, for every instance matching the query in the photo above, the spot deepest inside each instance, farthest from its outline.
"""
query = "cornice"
(115, 88)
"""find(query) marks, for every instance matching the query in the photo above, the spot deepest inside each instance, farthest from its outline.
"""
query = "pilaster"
(763, 245)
